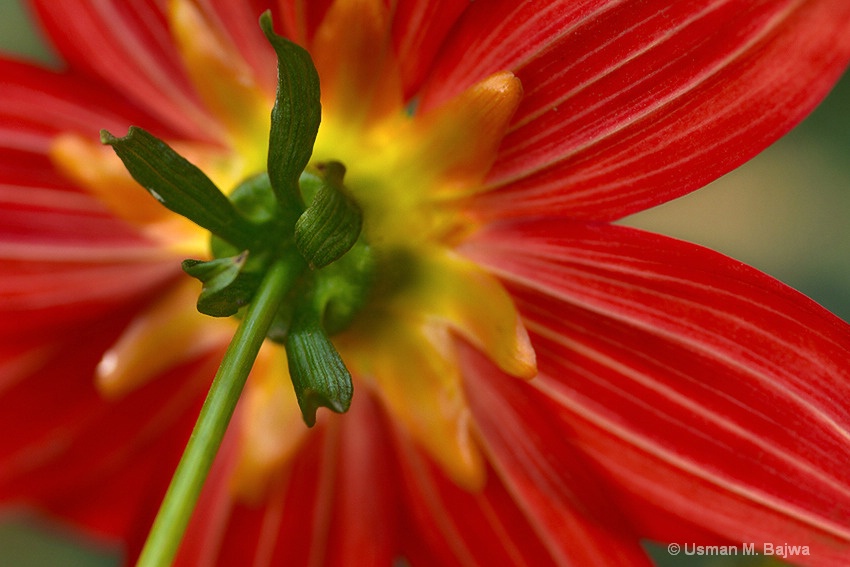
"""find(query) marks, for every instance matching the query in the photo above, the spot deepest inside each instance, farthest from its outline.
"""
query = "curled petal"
(689, 377)
(630, 103)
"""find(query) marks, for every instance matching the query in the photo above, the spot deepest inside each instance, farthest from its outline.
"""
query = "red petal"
(629, 104)
(240, 21)
(54, 240)
(292, 527)
(337, 501)
(101, 465)
(36, 104)
(365, 505)
(127, 45)
(302, 17)
(690, 377)
(451, 526)
(553, 484)
(53, 245)
(419, 28)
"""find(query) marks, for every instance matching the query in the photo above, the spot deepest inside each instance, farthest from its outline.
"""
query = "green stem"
(182, 495)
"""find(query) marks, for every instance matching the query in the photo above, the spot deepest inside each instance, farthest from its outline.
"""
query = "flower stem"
(188, 480)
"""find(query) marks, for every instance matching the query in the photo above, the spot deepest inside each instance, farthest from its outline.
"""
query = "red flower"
(671, 393)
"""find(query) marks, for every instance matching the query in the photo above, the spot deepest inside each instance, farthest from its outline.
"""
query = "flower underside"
(409, 174)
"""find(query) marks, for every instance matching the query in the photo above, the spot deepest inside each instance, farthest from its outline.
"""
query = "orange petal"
(97, 168)
(460, 139)
(403, 170)
(272, 428)
(169, 332)
(353, 53)
(474, 304)
(413, 368)
(224, 81)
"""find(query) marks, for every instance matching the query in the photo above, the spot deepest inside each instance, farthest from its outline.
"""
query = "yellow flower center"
(411, 174)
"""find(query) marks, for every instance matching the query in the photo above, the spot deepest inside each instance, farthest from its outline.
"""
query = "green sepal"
(295, 118)
(343, 288)
(331, 224)
(254, 199)
(318, 374)
(179, 186)
(227, 288)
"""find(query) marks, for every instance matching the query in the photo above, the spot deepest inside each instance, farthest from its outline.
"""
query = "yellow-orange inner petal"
(352, 52)
(413, 367)
(474, 305)
(408, 174)
(166, 334)
(224, 81)
(272, 429)
(458, 141)
(96, 168)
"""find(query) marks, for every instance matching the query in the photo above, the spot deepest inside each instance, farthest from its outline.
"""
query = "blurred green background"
(786, 212)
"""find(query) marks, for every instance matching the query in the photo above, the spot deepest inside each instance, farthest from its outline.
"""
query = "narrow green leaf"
(179, 186)
(331, 224)
(295, 118)
(318, 374)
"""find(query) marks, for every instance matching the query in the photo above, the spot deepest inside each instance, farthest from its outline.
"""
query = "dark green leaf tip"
(179, 185)
(107, 138)
(226, 287)
(318, 374)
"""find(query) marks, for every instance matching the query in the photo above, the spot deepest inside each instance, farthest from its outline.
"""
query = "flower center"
(410, 175)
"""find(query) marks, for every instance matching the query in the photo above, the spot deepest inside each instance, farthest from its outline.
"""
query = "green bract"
(331, 224)
(295, 117)
(318, 373)
(265, 223)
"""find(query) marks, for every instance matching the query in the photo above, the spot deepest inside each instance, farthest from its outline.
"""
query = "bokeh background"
(786, 212)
